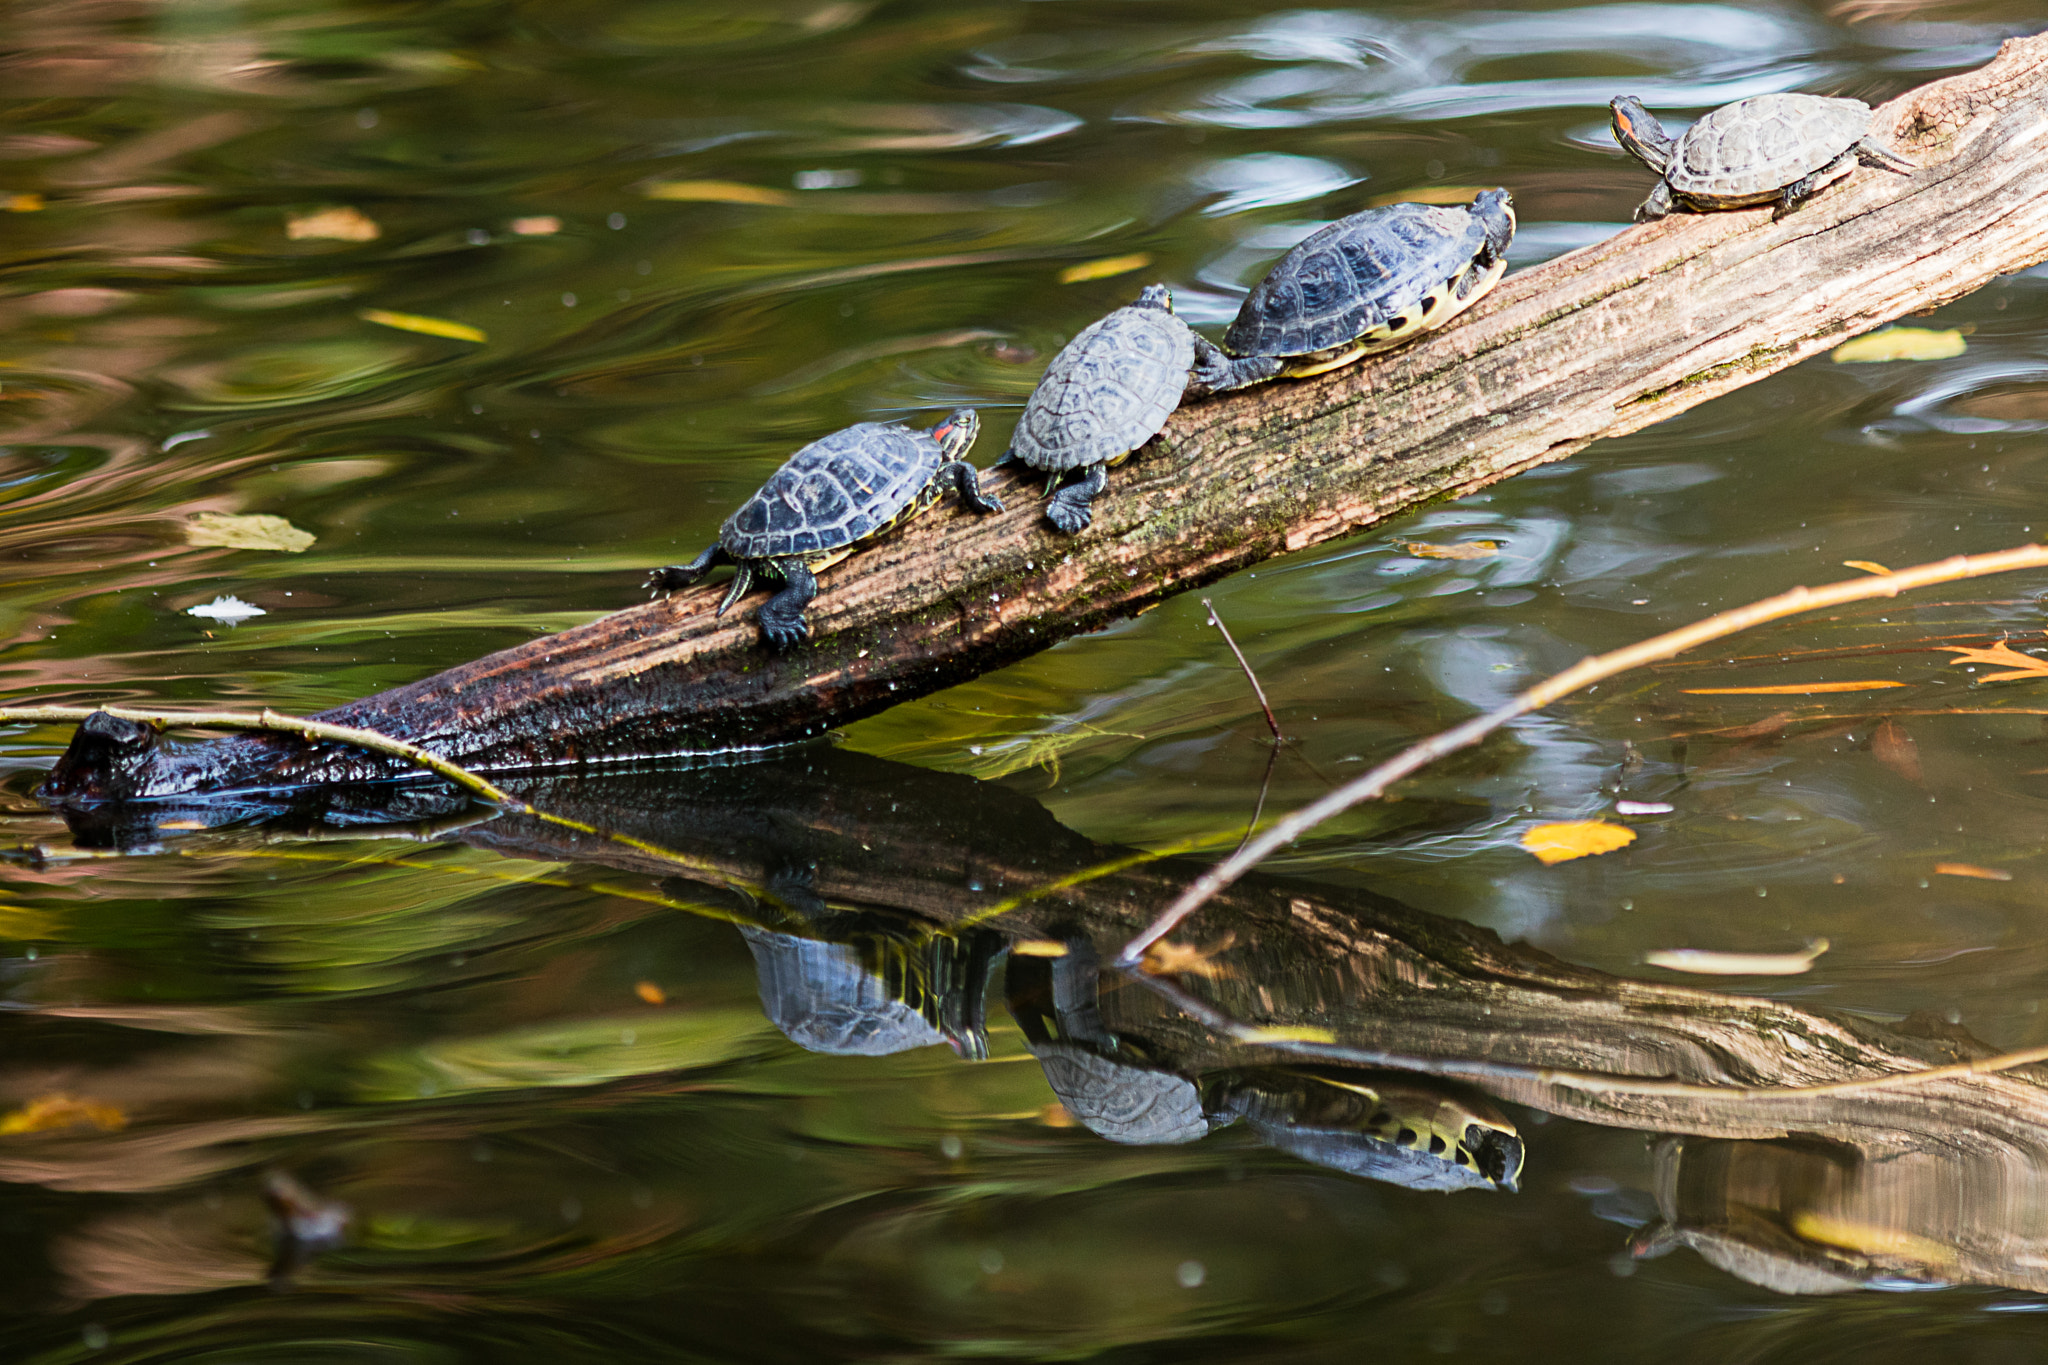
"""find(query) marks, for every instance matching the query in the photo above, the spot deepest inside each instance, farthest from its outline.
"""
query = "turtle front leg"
(662, 582)
(1658, 205)
(1068, 509)
(963, 479)
(1871, 154)
(782, 616)
(1217, 371)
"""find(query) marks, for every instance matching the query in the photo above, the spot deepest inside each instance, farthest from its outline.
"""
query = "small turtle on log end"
(1106, 393)
(1770, 149)
(1363, 284)
(830, 496)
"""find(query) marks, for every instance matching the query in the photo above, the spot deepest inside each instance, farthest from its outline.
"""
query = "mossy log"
(1601, 342)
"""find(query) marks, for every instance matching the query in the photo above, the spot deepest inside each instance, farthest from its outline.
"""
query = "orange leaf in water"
(1166, 958)
(1867, 565)
(651, 993)
(1792, 689)
(2000, 655)
(1568, 839)
(1989, 874)
(1464, 549)
(1893, 747)
(49, 1112)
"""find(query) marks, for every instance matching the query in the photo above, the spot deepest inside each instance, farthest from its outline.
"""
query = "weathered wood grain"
(1597, 343)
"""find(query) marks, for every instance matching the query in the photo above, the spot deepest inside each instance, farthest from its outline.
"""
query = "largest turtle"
(833, 494)
(1768, 149)
(1365, 283)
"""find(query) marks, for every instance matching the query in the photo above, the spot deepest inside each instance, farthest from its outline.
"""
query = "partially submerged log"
(1598, 343)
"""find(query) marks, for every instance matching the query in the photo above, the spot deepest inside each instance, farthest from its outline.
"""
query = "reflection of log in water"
(923, 875)
(1956, 1164)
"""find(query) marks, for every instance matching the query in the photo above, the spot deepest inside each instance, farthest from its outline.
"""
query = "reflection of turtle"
(875, 993)
(1397, 1129)
(830, 496)
(1105, 394)
(1363, 284)
(1779, 149)
(1121, 1101)
(1104, 1081)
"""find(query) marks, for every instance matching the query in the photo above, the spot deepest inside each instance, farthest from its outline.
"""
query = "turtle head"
(957, 432)
(1495, 211)
(1639, 133)
(1154, 296)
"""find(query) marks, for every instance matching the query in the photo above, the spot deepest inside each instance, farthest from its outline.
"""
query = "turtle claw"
(783, 635)
(1065, 516)
(661, 582)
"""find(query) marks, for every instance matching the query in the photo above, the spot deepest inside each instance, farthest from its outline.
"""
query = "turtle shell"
(1121, 1102)
(1108, 391)
(825, 1000)
(837, 490)
(1353, 276)
(1753, 148)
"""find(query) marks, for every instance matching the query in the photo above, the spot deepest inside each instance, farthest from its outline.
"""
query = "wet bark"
(1601, 342)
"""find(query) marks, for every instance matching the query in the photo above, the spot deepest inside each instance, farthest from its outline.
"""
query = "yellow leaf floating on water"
(1704, 962)
(1901, 343)
(1038, 947)
(1792, 689)
(1568, 839)
(1106, 267)
(2000, 655)
(425, 326)
(718, 192)
(334, 225)
(23, 203)
(1867, 565)
(1464, 549)
(1988, 874)
(258, 531)
(651, 993)
(1286, 1033)
(46, 1113)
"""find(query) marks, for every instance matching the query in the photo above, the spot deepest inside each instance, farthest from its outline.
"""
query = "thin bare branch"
(1583, 674)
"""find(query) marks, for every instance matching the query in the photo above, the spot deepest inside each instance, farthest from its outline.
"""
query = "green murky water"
(693, 236)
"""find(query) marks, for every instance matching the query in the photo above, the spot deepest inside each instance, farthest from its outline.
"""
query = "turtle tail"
(741, 581)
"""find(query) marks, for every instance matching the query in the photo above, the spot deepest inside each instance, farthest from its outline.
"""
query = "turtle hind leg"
(661, 582)
(1806, 186)
(1217, 371)
(1068, 509)
(1658, 205)
(1871, 154)
(961, 477)
(782, 616)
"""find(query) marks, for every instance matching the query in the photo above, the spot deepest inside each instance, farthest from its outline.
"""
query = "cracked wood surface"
(1601, 342)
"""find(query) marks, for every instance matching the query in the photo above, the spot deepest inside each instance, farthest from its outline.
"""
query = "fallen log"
(1601, 342)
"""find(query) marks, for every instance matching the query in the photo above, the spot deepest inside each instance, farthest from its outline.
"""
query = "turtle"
(1768, 149)
(1106, 393)
(1363, 284)
(830, 496)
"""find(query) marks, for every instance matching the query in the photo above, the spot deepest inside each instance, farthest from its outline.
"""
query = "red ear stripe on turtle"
(943, 430)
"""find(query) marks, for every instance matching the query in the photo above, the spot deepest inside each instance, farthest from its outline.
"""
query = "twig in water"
(1259, 807)
(1582, 674)
(1250, 677)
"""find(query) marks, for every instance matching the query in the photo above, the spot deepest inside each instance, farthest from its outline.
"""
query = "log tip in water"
(105, 760)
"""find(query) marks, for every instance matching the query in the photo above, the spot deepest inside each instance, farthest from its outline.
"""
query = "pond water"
(679, 238)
